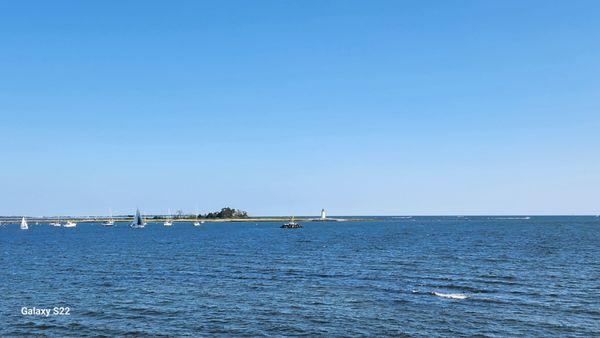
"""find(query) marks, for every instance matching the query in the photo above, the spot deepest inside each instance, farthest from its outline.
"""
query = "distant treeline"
(226, 213)
(223, 213)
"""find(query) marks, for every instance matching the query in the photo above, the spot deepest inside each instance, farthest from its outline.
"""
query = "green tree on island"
(227, 213)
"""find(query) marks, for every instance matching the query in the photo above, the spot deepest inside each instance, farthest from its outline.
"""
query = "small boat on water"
(291, 225)
(137, 222)
(24, 225)
(110, 222)
(197, 222)
(70, 224)
(56, 224)
(169, 221)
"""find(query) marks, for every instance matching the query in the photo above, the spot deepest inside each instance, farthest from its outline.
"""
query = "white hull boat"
(70, 224)
(137, 222)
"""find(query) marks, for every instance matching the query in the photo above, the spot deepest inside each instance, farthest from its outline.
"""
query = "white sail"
(24, 225)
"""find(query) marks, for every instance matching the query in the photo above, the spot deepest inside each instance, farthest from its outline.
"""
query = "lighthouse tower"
(323, 215)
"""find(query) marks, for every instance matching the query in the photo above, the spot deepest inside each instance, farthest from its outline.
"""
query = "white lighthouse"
(323, 215)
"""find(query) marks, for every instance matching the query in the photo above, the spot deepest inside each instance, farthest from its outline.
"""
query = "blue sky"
(287, 107)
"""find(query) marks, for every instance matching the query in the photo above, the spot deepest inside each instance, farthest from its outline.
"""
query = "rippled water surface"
(395, 276)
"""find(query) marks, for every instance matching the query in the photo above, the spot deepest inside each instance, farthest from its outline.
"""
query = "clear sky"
(287, 107)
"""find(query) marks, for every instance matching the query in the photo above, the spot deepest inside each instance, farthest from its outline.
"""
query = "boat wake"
(526, 217)
(450, 295)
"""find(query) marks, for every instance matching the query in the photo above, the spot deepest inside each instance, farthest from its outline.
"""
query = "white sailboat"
(70, 224)
(57, 223)
(197, 222)
(24, 225)
(169, 221)
(137, 222)
(110, 221)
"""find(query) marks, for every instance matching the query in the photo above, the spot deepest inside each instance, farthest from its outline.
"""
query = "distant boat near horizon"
(24, 225)
(169, 221)
(110, 221)
(56, 224)
(291, 225)
(197, 222)
(70, 224)
(137, 222)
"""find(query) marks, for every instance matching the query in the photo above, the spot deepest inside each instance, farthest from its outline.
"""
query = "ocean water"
(421, 276)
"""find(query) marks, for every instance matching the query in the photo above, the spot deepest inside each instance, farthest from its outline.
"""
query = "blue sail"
(137, 221)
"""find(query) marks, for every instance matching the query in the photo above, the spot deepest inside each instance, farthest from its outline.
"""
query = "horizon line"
(329, 216)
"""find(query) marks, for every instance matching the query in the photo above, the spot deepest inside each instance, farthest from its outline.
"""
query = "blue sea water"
(421, 276)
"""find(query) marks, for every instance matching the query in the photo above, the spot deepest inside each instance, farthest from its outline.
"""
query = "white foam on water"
(450, 295)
